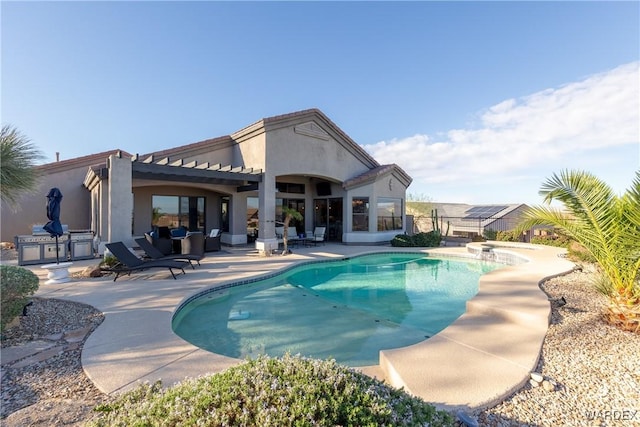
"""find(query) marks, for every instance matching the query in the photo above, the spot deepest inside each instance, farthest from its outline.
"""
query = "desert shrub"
(556, 240)
(287, 391)
(490, 234)
(17, 284)
(402, 240)
(109, 261)
(508, 236)
(430, 239)
(579, 253)
(575, 251)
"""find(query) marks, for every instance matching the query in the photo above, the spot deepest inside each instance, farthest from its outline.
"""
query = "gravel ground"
(592, 369)
(595, 367)
(54, 391)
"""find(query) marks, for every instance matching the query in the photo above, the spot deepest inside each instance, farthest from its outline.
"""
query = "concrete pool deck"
(480, 359)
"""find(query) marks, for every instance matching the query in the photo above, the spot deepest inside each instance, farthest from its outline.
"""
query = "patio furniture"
(212, 241)
(318, 235)
(130, 262)
(160, 237)
(193, 244)
(292, 236)
(153, 253)
(177, 234)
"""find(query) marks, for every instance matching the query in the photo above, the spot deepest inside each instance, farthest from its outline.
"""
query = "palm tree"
(607, 226)
(289, 214)
(17, 165)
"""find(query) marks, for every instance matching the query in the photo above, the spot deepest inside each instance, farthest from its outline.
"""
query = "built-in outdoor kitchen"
(40, 248)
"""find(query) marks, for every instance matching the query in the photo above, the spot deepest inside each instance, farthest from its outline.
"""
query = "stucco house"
(237, 183)
(468, 221)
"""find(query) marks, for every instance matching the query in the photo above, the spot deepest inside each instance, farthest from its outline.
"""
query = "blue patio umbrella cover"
(54, 227)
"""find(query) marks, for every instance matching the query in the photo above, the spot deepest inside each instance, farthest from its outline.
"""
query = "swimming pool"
(346, 309)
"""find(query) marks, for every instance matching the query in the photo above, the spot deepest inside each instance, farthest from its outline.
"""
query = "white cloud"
(549, 127)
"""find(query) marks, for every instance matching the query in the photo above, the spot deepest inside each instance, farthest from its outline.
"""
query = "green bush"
(109, 261)
(508, 236)
(402, 240)
(576, 252)
(278, 392)
(430, 239)
(17, 284)
(490, 234)
(557, 241)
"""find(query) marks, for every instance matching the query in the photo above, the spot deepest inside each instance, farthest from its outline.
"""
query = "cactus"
(437, 227)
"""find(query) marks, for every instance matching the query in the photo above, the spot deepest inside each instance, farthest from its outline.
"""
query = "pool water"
(347, 310)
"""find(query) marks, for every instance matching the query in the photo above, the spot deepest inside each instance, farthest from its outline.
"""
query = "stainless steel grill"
(40, 247)
(80, 244)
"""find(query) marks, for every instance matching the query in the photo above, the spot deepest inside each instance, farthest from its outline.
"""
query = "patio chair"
(155, 254)
(318, 235)
(193, 244)
(130, 263)
(160, 237)
(212, 240)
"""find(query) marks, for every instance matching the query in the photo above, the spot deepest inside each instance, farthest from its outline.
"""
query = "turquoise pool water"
(347, 309)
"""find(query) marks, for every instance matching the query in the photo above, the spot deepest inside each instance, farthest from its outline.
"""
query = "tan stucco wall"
(250, 152)
(291, 153)
(75, 208)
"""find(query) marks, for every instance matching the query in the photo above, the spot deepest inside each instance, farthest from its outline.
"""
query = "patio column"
(120, 200)
(267, 241)
(238, 222)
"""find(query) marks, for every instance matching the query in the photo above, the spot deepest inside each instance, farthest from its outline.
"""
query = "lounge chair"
(157, 255)
(131, 263)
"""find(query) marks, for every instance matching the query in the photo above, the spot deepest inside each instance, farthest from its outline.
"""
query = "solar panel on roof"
(483, 211)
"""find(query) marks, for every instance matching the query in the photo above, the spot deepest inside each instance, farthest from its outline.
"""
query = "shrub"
(402, 240)
(557, 241)
(17, 284)
(109, 261)
(490, 234)
(508, 236)
(430, 239)
(287, 391)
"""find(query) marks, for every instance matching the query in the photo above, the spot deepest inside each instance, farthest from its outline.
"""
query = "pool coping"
(477, 361)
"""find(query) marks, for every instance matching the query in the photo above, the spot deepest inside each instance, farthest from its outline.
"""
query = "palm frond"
(17, 165)
(605, 224)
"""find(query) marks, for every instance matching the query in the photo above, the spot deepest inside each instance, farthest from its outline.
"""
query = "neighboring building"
(468, 221)
(237, 183)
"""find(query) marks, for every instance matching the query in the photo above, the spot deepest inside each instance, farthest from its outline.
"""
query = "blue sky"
(479, 102)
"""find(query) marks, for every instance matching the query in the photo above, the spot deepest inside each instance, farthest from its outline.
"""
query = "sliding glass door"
(328, 213)
(179, 211)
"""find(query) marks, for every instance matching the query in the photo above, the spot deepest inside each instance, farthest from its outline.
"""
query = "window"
(178, 211)
(289, 187)
(225, 203)
(389, 214)
(252, 215)
(360, 209)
